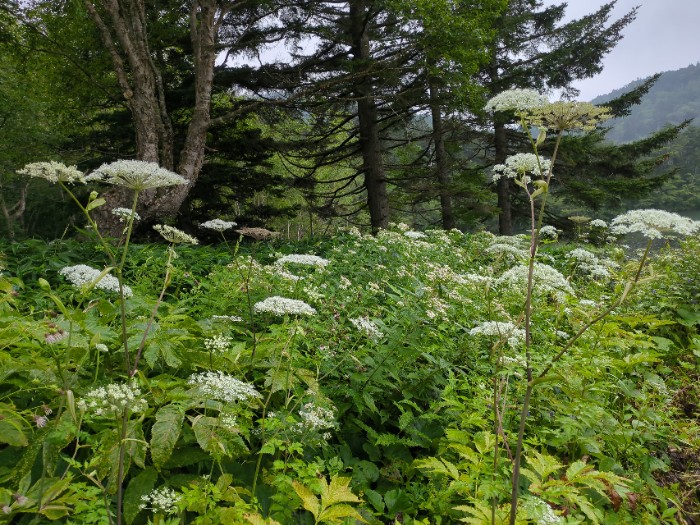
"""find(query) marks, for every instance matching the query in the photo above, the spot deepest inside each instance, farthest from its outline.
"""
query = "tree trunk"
(442, 172)
(505, 219)
(122, 26)
(370, 143)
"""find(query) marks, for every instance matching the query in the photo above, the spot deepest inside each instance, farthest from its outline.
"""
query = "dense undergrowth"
(395, 400)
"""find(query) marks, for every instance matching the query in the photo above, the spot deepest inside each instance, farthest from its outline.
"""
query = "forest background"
(374, 114)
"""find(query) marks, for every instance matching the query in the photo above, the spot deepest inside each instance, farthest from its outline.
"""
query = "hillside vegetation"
(674, 97)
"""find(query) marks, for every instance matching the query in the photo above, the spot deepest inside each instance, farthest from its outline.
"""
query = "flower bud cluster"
(174, 235)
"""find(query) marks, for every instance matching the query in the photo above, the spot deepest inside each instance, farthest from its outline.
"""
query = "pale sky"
(665, 36)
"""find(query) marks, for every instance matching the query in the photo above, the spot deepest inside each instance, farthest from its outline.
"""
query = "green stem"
(120, 465)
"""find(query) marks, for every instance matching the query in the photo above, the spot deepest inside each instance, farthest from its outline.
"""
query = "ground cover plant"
(405, 377)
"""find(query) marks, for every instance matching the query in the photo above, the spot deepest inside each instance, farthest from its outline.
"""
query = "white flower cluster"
(482, 280)
(280, 272)
(161, 500)
(653, 224)
(549, 232)
(218, 225)
(306, 260)
(588, 263)
(598, 223)
(282, 306)
(82, 274)
(507, 250)
(368, 327)
(174, 235)
(222, 387)
(415, 235)
(217, 344)
(316, 417)
(502, 329)
(123, 214)
(518, 100)
(231, 318)
(112, 399)
(546, 280)
(136, 175)
(517, 361)
(521, 166)
(53, 172)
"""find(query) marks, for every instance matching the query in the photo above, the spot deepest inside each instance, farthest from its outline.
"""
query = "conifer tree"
(535, 50)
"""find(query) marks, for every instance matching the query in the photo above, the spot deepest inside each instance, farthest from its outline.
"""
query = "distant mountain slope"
(674, 98)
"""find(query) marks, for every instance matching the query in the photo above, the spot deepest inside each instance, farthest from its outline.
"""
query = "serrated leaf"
(257, 519)
(140, 485)
(206, 431)
(308, 499)
(439, 466)
(337, 492)
(543, 464)
(576, 469)
(338, 512)
(165, 433)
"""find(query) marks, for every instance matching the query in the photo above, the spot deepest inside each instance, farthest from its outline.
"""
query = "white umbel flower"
(283, 306)
(546, 280)
(136, 175)
(124, 214)
(112, 399)
(53, 172)
(548, 232)
(218, 344)
(521, 166)
(518, 100)
(218, 225)
(161, 500)
(306, 260)
(653, 224)
(316, 417)
(222, 387)
(82, 274)
(502, 329)
(415, 235)
(368, 327)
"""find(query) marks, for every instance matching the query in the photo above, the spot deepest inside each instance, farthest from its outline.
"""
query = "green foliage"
(391, 422)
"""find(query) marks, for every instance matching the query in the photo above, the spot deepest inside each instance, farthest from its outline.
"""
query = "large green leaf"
(12, 427)
(165, 433)
(139, 485)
